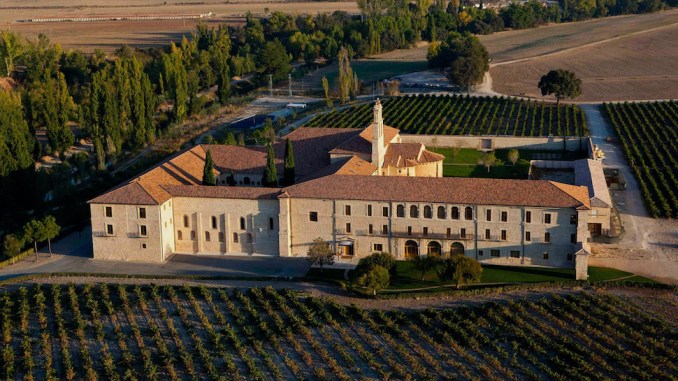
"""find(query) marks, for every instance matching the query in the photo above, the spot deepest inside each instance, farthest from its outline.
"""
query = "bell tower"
(378, 149)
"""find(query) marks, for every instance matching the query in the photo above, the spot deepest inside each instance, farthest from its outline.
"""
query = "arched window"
(242, 223)
(434, 249)
(455, 213)
(457, 248)
(207, 236)
(180, 236)
(246, 181)
(400, 211)
(428, 211)
(411, 249)
(468, 213)
(414, 211)
(441, 212)
(235, 237)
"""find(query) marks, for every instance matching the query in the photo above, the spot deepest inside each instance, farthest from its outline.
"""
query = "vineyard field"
(648, 133)
(123, 332)
(463, 115)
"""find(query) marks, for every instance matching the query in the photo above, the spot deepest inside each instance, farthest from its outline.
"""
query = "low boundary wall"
(552, 143)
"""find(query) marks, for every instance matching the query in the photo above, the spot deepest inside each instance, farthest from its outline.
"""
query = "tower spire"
(378, 149)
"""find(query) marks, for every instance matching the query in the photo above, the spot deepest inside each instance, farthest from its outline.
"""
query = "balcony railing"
(405, 234)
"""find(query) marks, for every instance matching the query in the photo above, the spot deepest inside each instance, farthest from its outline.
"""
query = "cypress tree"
(270, 172)
(223, 79)
(289, 163)
(208, 172)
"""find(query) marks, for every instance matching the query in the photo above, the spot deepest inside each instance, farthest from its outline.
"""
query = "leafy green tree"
(289, 163)
(464, 55)
(51, 230)
(223, 79)
(385, 260)
(461, 270)
(513, 155)
(11, 49)
(230, 139)
(16, 140)
(34, 231)
(12, 245)
(489, 159)
(273, 59)
(375, 279)
(326, 89)
(374, 8)
(271, 171)
(320, 254)
(425, 263)
(346, 78)
(562, 83)
(208, 177)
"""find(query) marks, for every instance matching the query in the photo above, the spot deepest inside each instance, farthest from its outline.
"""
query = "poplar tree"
(16, 140)
(223, 79)
(326, 89)
(346, 78)
(270, 172)
(208, 177)
(289, 163)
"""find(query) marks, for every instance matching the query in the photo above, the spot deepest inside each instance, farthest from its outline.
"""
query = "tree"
(489, 160)
(12, 246)
(223, 79)
(326, 89)
(16, 140)
(460, 269)
(424, 263)
(320, 254)
(562, 83)
(289, 163)
(375, 279)
(11, 48)
(346, 78)
(52, 230)
(208, 171)
(34, 231)
(230, 139)
(373, 8)
(464, 55)
(273, 59)
(513, 155)
(271, 171)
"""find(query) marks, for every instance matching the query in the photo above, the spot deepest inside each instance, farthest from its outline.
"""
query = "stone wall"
(497, 142)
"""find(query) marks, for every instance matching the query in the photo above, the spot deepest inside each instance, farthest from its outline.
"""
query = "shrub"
(385, 260)
(375, 279)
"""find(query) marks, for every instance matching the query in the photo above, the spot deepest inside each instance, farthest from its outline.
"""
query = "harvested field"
(172, 332)
(108, 35)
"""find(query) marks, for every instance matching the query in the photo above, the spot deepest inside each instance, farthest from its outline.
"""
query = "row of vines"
(118, 332)
(464, 115)
(649, 136)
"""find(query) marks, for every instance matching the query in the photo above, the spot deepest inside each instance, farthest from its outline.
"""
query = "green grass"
(333, 274)
(480, 171)
(370, 71)
(605, 273)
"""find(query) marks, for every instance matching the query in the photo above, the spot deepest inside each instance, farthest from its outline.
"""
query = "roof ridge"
(563, 188)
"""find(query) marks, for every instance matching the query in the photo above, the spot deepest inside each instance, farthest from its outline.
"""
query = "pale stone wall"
(127, 242)
(497, 142)
(167, 229)
(211, 225)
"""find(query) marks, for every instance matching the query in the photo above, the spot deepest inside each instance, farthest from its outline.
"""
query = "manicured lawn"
(480, 171)
(374, 70)
(605, 273)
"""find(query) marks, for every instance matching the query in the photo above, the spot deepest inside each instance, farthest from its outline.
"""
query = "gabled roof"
(472, 191)
(127, 194)
(361, 143)
(589, 173)
(402, 155)
(245, 193)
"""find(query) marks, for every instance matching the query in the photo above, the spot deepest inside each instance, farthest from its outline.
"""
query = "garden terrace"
(649, 137)
(464, 115)
(117, 332)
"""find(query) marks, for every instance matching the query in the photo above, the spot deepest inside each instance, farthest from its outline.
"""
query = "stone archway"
(434, 249)
(457, 248)
(411, 249)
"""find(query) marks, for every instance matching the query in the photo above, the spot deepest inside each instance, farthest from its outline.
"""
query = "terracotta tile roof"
(402, 155)
(312, 146)
(247, 193)
(589, 173)
(577, 192)
(128, 194)
(471, 191)
(239, 159)
(357, 166)
(361, 144)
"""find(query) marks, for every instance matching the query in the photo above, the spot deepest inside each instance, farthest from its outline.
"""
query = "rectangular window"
(462, 233)
(109, 211)
(185, 221)
(384, 229)
(242, 223)
(270, 223)
(489, 215)
(143, 245)
(369, 210)
(480, 253)
(192, 235)
(573, 238)
(348, 228)
(547, 218)
(377, 247)
(313, 216)
(515, 254)
(528, 236)
(503, 235)
(235, 237)
(546, 255)
(370, 230)
(214, 222)
(109, 229)
(573, 219)
(495, 253)
(207, 236)
(504, 216)
(487, 233)
(409, 230)
(528, 217)
(449, 232)
(384, 211)
(425, 231)
(142, 212)
(347, 210)
(142, 231)
(547, 237)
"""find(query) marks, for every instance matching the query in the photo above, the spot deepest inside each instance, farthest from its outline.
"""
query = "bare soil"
(109, 35)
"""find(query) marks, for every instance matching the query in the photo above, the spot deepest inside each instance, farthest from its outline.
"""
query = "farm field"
(171, 332)
(630, 65)
(649, 137)
(109, 35)
(463, 115)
